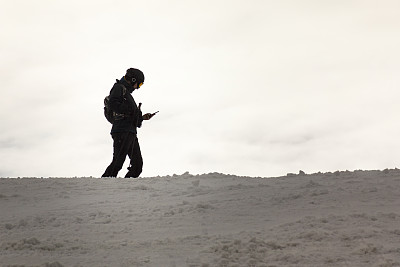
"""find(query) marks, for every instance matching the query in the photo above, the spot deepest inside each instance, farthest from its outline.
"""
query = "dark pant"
(125, 144)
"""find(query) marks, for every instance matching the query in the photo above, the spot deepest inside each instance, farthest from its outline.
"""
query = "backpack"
(110, 115)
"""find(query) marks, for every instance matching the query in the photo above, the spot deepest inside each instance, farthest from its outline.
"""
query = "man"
(127, 118)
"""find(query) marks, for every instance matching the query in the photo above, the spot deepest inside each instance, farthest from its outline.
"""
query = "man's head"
(134, 76)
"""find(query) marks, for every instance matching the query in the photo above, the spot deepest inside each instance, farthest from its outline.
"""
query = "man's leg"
(121, 146)
(136, 160)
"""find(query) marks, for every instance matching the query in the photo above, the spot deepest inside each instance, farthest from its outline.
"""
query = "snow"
(324, 219)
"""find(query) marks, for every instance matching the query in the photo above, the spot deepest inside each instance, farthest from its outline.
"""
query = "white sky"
(258, 88)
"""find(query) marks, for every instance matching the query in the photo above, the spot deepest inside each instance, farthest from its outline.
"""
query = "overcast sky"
(258, 88)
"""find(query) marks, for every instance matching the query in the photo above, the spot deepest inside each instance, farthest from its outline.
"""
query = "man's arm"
(117, 102)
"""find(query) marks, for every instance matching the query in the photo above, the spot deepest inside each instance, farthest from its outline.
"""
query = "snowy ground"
(330, 219)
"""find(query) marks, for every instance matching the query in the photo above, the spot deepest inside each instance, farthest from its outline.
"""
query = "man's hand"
(148, 116)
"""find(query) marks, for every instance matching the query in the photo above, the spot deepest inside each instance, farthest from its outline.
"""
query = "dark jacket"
(125, 105)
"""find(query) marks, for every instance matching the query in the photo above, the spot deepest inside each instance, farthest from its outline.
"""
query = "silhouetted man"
(127, 118)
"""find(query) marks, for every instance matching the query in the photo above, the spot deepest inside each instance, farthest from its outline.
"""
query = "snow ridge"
(324, 219)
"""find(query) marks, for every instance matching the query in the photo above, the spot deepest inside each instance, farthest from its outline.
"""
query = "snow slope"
(330, 219)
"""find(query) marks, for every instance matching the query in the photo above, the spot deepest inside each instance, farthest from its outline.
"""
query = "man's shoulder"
(118, 88)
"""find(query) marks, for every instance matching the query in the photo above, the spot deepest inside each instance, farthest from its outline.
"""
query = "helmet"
(134, 76)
